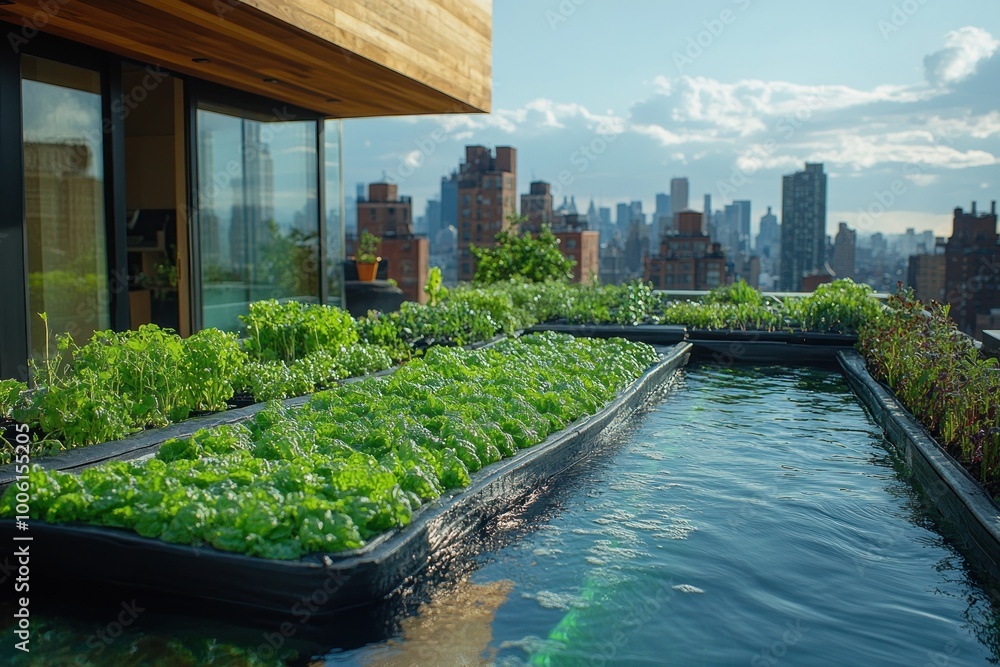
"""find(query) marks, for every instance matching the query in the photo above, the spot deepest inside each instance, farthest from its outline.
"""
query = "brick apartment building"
(688, 260)
(390, 217)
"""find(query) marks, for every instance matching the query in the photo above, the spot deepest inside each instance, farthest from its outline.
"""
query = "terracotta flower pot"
(367, 270)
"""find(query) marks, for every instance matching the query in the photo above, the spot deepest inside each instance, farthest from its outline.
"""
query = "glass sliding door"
(64, 199)
(334, 199)
(258, 213)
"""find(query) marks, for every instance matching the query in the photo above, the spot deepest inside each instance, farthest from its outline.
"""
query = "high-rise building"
(593, 217)
(844, 247)
(663, 217)
(604, 213)
(487, 196)
(803, 226)
(734, 232)
(662, 204)
(971, 260)
(623, 217)
(432, 215)
(688, 259)
(769, 237)
(678, 195)
(390, 217)
(636, 216)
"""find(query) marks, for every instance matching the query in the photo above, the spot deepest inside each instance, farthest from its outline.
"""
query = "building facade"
(536, 206)
(174, 162)
(972, 268)
(577, 240)
(487, 197)
(926, 275)
(390, 217)
(688, 259)
(803, 227)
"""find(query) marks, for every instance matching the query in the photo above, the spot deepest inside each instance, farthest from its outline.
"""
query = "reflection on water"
(751, 517)
(457, 622)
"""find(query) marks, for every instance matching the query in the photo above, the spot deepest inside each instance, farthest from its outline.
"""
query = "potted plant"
(365, 258)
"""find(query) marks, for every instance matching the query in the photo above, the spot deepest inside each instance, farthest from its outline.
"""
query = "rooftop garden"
(123, 382)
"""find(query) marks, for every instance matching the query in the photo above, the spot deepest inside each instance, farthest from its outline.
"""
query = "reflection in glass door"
(258, 214)
(64, 199)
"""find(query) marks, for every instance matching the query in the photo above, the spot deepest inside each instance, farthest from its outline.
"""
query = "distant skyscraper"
(803, 226)
(432, 214)
(769, 237)
(768, 248)
(678, 195)
(734, 235)
(593, 217)
(623, 217)
(662, 205)
(663, 217)
(604, 213)
(844, 247)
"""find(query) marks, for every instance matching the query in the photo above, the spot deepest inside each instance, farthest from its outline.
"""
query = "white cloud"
(964, 49)
(934, 136)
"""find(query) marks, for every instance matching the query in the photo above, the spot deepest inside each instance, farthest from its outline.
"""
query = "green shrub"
(515, 255)
(839, 307)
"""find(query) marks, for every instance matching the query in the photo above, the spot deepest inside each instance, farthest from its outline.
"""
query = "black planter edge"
(674, 333)
(122, 558)
(945, 482)
(147, 442)
(654, 334)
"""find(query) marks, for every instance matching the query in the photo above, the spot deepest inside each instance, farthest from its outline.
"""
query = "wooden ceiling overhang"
(342, 58)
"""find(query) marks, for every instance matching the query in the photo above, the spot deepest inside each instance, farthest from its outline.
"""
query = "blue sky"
(900, 100)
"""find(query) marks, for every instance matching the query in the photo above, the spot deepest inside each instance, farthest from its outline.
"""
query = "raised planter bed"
(145, 443)
(946, 483)
(349, 579)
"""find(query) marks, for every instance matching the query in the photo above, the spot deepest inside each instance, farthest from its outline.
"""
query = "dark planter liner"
(791, 337)
(724, 345)
(958, 496)
(653, 334)
(768, 347)
(145, 443)
(121, 558)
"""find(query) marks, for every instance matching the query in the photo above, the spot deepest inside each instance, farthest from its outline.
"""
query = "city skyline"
(905, 119)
